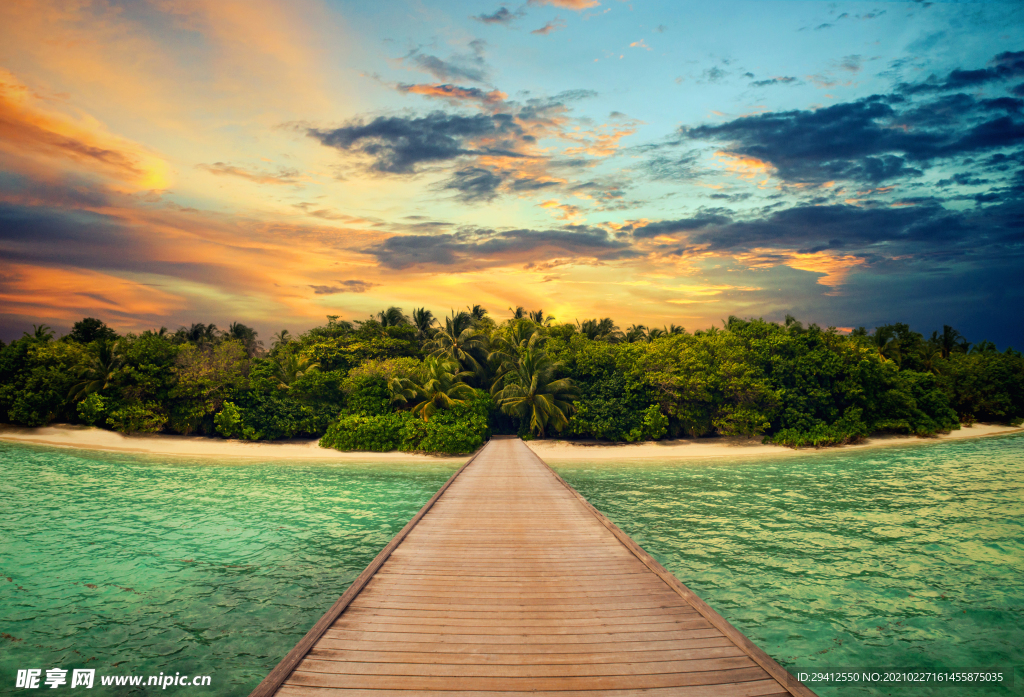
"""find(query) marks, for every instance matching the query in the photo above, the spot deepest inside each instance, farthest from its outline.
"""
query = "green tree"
(246, 336)
(40, 334)
(529, 390)
(458, 340)
(89, 330)
(600, 330)
(441, 388)
(292, 366)
(392, 317)
(205, 378)
(424, 321)
(100, 371)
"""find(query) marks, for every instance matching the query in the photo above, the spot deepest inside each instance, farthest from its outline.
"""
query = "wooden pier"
(508, 582)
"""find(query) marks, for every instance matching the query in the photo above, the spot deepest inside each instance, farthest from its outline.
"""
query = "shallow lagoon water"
(140, 565)
(901, 556)
(909, 556)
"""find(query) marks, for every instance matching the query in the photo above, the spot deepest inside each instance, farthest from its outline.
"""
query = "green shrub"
(229, 421)
(92, 409)
(138, 418)
(379, 433)
(460, 429)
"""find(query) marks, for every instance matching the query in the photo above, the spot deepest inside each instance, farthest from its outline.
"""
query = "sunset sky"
(177, 161)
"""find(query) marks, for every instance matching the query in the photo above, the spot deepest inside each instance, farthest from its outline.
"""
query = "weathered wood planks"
(509, 582)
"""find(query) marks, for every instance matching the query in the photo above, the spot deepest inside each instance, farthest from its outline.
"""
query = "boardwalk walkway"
(509, 582)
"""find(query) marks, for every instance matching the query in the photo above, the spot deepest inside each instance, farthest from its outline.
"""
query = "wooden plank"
(345, 666)
(718, 647)
(601, 682)
(761, 688)
(508, 583)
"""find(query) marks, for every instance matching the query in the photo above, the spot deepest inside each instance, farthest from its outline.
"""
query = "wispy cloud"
(554, 25)
(282, 176)
(351, 286)
(500, 16)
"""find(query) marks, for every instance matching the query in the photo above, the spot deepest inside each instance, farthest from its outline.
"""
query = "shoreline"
(86, 438)
(735, 446)
(90, 438)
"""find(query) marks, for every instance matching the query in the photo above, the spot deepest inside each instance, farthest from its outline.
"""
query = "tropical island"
(417, 383)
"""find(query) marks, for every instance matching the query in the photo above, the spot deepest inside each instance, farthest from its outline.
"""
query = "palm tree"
(246, 336)
(518, 313)
(528, 390)
(884, 341)
(457, 340)
(40, 333)
(290, 367)
(984, 347)
(100, 370)
(506, 349)
(655, 333)
(675, 329)
(424, 321)
(199, 333)
(600, 330)
(950, 341)
(477, 312)
(392, 317)
(442, 387)
(540, 318)
(282, 338)
(636, 332)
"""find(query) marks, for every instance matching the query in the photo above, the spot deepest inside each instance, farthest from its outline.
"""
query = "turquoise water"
(897, 557)
(136, 565)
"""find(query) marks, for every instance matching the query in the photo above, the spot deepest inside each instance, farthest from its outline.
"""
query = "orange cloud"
(565, 211)
(29, 132)
(456, 93)
(744, 166)
(68, 294)
(834, 268)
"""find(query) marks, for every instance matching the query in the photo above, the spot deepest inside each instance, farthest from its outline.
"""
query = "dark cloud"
(961, 179)
(474, 184)
(482, 248)
(87, 240)
(532, 184)
(774, 81)
(1008, 65)
(920, 228)
(398, 144)
(670, 227)
(874, 139)
(352, 286)
(501, 16)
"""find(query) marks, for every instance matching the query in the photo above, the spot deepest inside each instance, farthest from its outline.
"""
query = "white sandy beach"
(67, 436)
(731, 447)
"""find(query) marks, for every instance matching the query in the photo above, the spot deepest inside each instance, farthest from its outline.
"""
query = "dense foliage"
(399, 383)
